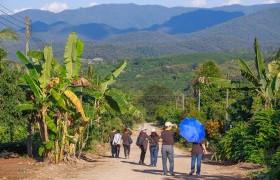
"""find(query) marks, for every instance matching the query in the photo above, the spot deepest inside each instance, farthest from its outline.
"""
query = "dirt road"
(128, 169)
(106, 168)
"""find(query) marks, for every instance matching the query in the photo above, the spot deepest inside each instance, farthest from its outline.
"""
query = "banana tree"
(265, 82)
(100, 98)
(56, 106)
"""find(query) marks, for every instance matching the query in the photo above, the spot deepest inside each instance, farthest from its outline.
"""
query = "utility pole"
(227, 96)
(198, 99)
(30, 127)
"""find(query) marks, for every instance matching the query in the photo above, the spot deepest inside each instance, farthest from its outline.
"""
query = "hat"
(167, 124)
(153, 130)
(143, 128)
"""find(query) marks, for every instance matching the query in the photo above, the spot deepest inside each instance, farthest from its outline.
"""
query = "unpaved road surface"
(108, 168)
(128, 169)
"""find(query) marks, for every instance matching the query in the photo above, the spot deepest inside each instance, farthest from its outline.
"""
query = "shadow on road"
(130, 162)
(185, 175)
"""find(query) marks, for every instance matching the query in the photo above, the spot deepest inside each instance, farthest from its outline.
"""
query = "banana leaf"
(51, 125)
(26, 107)
(32, 70)
(46, 67)
(32, 86)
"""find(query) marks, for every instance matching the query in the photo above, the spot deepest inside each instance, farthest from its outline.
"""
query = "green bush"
(255, 141)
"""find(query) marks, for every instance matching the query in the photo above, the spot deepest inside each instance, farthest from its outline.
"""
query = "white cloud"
(269, 1)
(55, 7)
(230, 2)
(21, 9)
(93, 4)
(196, 3)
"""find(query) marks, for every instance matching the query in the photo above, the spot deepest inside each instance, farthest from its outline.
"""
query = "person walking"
(167, 138)
(142, 142)
(127, 141)
(198, 149)
(153, 140)
(111, 139)
(117, 142)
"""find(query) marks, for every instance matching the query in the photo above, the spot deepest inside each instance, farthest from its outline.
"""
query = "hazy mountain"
(119, 16)
(195, 21)
(124, 16)
(185, 23)
(235, 35)
(247, 9)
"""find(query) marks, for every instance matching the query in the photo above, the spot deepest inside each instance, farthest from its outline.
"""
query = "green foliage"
(255, 141)
(12, 121)
(212, 98)
(166, 113)
(155, 95)
(241, 108)
(8, 34)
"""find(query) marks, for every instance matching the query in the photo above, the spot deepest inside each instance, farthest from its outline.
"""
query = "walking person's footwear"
(191, 173)
(197, 174)
(172, 174)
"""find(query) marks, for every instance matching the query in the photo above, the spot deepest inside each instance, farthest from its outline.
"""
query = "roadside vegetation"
(58, 109)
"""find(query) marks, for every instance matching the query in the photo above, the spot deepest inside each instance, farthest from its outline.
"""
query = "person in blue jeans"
(153, 141)
(198, 149)
(167, 138)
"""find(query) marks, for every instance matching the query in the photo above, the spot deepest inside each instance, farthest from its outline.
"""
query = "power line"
(12, 17)
(11, 22)
(37, 42)
(37, 37)
(9, 27)
(11, 11)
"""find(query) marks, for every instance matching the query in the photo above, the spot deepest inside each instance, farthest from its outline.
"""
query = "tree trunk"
(44, 123)
(30, 130)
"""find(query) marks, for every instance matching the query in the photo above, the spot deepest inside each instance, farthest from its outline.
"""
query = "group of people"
(145, 141)
(116, 139)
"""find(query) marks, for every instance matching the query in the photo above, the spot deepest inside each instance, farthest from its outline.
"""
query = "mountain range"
(114, 31)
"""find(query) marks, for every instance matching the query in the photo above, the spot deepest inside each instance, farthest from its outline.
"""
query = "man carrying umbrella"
(198, 149)
(193, 131)
(167, 138)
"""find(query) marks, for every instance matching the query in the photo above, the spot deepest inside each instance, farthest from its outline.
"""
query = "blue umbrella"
(192, 130)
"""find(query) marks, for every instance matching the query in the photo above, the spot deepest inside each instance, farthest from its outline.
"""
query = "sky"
(60, 5)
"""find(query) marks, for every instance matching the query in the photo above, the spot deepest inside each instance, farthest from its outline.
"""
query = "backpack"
(139, 141)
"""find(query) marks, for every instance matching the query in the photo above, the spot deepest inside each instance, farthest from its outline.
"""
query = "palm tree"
(8, 34)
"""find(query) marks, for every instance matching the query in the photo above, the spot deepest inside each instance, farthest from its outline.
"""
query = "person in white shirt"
(117, 142)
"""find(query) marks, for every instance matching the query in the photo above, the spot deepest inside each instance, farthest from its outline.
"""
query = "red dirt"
(18, 168)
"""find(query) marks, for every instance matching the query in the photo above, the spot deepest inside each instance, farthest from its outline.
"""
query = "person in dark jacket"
(153, 140)
(167, 138)
(126, 143)
(111, 138)
(198, 149)
(144, 144)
